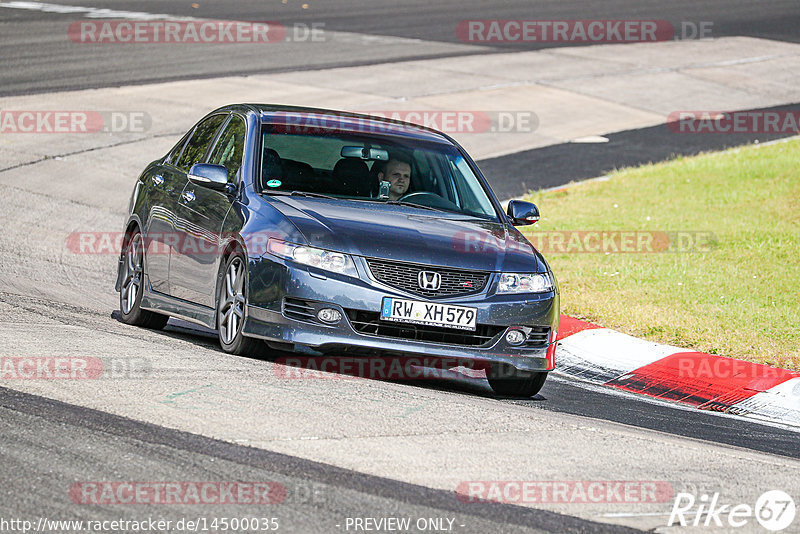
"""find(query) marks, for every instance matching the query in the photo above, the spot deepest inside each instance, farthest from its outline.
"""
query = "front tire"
(231, 302)
(132, 286)
(508, 381)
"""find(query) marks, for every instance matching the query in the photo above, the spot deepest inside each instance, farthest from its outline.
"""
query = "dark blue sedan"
(326, 232)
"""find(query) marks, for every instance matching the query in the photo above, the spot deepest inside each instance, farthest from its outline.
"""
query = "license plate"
(428, 313)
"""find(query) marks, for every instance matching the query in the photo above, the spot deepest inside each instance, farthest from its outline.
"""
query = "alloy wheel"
(132, 279)
(232, 301)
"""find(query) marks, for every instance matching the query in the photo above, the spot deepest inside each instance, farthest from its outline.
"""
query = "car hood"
(408, 234)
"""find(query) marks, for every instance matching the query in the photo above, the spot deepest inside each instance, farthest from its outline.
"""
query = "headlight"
(524, 283)
(315, 257)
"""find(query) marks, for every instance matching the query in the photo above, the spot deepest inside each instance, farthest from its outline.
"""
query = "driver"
(397, 172)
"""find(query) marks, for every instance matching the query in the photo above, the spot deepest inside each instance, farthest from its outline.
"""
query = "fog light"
(329, 315)
(515, 337)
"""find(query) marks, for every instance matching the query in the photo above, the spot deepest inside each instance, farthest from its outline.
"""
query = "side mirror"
(522, 213)
(208, 175)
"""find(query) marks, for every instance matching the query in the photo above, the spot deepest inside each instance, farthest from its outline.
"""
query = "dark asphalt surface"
(555, 165)
(47, 446)
(568, 396)
(564, 394)
(36, 54)
(436, 21)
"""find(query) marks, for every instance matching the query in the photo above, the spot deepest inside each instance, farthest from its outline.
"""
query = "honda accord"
(326, 232)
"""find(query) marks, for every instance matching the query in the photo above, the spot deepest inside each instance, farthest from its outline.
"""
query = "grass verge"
(723, 276)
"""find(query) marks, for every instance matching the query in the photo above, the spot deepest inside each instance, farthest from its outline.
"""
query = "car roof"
(304, 119)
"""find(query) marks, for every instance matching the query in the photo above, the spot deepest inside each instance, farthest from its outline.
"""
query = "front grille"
(298, 309)
(405, 276)
(538, 336)
(366, 322)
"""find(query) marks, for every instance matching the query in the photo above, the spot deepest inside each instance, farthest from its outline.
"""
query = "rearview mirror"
(365, 153)
(522, 213)
(209, 175)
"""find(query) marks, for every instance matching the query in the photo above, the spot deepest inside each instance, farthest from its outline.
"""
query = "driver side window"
(230, 147)
(198, 144)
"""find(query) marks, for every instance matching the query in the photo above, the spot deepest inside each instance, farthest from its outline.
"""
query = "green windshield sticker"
(274, 183)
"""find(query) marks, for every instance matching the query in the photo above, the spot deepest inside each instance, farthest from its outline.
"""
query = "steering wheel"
(426, 198)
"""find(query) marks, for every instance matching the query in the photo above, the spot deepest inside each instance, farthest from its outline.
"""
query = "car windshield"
(370, 168)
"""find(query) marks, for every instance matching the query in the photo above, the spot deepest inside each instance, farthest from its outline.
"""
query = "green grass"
(738, 297)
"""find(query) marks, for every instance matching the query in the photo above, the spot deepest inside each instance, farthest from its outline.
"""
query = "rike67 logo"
(773, 510)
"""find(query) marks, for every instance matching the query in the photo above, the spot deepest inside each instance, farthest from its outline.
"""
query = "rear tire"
(508, 381)
(231, 302)
(132, 286)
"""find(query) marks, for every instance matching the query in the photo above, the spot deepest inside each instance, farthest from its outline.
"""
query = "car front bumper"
(272, 280)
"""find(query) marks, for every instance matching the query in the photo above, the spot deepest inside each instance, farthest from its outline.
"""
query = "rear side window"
(175, 153)
(230, 146)
(198, 144)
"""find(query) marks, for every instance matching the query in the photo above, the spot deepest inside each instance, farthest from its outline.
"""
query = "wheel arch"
(133, 224)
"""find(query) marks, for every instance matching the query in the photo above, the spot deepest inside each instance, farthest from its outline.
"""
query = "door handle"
(187, 196)
(157, 180)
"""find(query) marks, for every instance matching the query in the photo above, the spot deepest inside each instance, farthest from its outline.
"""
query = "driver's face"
(399, 175)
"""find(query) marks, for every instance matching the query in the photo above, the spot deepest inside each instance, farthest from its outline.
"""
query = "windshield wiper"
(309, 194)
(320, 195)
(413, 205)
(295, 194)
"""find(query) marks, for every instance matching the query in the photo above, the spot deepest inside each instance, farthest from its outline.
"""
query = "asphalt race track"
(342, 448)
(33, 58)
(559, 164)
(110, 446)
